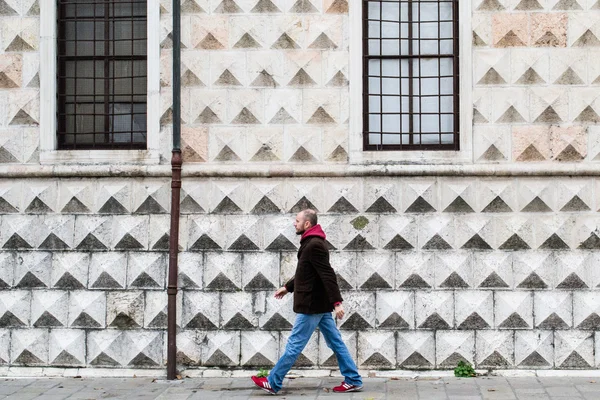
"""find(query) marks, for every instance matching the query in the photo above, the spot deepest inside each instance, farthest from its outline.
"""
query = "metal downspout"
(176, 161)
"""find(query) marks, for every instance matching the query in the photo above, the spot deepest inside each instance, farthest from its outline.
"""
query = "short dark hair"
(310, 216)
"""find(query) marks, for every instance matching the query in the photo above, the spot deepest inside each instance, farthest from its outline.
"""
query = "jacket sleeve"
(320, 261)
(289, 285)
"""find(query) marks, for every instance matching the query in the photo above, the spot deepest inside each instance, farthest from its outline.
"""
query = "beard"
(300, 232)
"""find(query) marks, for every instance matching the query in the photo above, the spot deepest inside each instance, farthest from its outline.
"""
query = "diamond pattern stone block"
(376, 350)
(437, 232)
(510, 30)
(260, 271)
(92, 233)
(108, 271)
(33, 270)
(206, 233)
(514, 233)
(491, 67)
(114, 197)
(76, 197)
(130, 232)
(416, 350)
(574, 195)
(237, 311)
(259, 349)
(453, 347)
(529, 66)
(200, 310)
(575, 271)
(492, 270)
(67, 347)
(513, 310)
(309, 357)
(553, 310)
(279, 234)
(155, 311)
(534, 270)
(352, 233)
(548, 105)
(190, 267)
(30, 347)
(475, 232)
(419, 196)
(10, 196)
(534, 349)
(508, 105)
(586, 310)
(49, 308)
(223, 271)
(492, 144)
(326, 357)
(376, 271)
(20, 231)
(278, 314)
(453, 270)
(70, 270)
(151, 197)
(7, 269)
(434, 310)
(4, 346)
(360, 310)
(146, 270)
(266, 197)
(87, 309)
(158, 234)
(125, 310)
(244, 233)
(397, 232)
(415, 270)
(222, 349)
(474, 310)
(554, 232)
(494, 349)
(395, 310)
(569, 144)
(56, 233)
(549, 29)
(228, 197)
(303, 194)
(531, 143)
(189, 348)
(15, 308)
(125, 348)
(574, 350)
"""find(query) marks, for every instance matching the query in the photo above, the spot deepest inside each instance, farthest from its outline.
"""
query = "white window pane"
(416, 124)
(391, 123)
(429, 67)
(428, 47)
(429, 104)
(446, 30)
(374, 47)
(404, 87)
(391, 30)
(374, 67)
(445, 11)
(374, 86)
(390, 86)
(430, 123)
(390, 67)
(417, 104)
(374, 123)
(391, 104)
(446, 47)
(447, 86)
(405, 139)
(447, 123)
(374, 10)
(429, 86)
(429, 11)
(428, 30)
(374, 139)
(416, 88)
(390, 47)
(391, 139)
(417, 139)
(405, 125)
(405, 104)
(447, 104)
(374, 29)
(446, 66)
(404, 66)
(391, 11)
(404, 11)
(374, 104)
(404, 30)
(447, 139)
(430, 139)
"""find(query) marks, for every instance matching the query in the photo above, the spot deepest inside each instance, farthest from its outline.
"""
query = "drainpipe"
(176, 162)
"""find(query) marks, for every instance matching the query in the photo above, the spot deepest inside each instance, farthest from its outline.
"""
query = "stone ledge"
(37, 372)
(298, 170)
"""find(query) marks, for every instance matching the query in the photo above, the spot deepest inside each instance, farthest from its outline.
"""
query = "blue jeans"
(304, 326)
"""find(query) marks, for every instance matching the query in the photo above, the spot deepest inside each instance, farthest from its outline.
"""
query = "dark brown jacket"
(315, 284)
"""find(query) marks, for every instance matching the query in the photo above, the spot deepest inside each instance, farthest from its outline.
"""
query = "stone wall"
(498, 270)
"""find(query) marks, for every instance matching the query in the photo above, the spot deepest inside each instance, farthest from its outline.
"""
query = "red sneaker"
(346, 387)
(263, 383)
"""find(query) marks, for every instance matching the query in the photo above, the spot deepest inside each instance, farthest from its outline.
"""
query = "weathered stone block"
(395, 310)
(534, 349)
(125, 310)
(434, 310)
(453, 347)
(67, 347)
(494, 349)
(259, 349)
(15, 308)
(376, 350)
(49, 308)
(87, 309)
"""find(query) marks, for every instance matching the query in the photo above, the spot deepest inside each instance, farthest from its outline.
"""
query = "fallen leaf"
(491, 390)
(178, 377)
(154, 380)
(326, 389)
(395, 379)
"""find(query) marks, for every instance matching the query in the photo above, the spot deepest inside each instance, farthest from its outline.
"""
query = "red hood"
(314, 231)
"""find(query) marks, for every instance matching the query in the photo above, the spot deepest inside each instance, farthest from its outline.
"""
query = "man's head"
(305, 219)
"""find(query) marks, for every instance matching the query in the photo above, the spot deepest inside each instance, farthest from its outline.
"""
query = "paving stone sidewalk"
(492, 388)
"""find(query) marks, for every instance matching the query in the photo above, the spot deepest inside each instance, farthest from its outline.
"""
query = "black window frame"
(455, 145)
(108, 138)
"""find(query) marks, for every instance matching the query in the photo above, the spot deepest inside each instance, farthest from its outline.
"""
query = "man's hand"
(339, 311)
(282, 291)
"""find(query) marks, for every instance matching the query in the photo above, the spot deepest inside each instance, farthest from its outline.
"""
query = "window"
(102, 74)
(411, 75)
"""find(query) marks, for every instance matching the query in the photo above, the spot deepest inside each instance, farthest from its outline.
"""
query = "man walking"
(316, 295)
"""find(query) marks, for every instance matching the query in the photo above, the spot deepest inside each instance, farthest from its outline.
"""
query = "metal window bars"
(410, 75)
(102, 74)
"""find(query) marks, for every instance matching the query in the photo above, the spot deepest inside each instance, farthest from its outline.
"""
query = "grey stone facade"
(493, 261)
